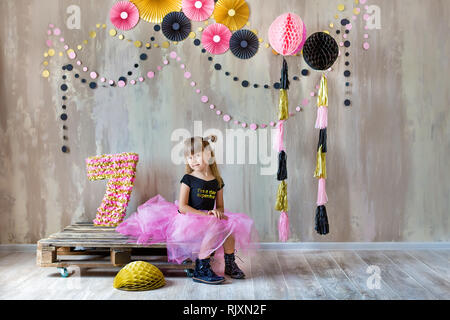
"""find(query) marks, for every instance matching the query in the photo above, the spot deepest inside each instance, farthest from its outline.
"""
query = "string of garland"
(283, 114)
(321, 218)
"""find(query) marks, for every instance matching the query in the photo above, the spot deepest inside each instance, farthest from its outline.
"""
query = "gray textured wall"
(387, 161)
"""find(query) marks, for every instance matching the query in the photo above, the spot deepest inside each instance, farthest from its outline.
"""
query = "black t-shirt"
(202, 195)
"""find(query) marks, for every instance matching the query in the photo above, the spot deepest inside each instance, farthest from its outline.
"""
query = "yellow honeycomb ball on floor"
(139, 276)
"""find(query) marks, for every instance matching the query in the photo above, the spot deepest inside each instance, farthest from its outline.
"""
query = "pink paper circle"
(192, 84)
(312, 94)
(236, 122)
(218, 112)
(79, 62)
(182, 66)
(121, 83)
(298, 109)
(133, 81)
(187, 74)
(263, 125)
(61, 39)
(150, 74)
(204, 99)
(56, 32)
(111, 82)
(93, 75)
(141, 79)
(72, 55)
(173, 54)
(305, 102)
(226, 118)
(166, 62)
(102, 79)
(253, 126)
(49, 43)
(366, 46)
(272, 124)
(244, 125)
(85, 69)
(178, 59)
(159, 68)
(198, 90)
(212, 106)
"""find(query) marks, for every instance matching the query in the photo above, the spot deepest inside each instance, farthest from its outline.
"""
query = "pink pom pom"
(283, 227)
(286, 34)
(322, 197)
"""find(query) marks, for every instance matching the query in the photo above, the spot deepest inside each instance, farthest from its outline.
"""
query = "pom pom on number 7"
(120, 170)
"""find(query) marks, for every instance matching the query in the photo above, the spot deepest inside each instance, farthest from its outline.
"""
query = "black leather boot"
(204, 274)
(231, 268)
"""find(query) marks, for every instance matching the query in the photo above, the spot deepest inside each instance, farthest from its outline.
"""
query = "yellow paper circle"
(137, 44)
(341, 7)
(165, 44)
(51, 52)
(45, 73)
(121, 37)
(93, 34)
(112, 32)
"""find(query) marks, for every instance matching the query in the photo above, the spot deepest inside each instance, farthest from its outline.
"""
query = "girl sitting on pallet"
(198, 226)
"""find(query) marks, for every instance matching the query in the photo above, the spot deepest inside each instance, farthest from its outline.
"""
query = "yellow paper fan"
(232, 13)
(155, 10)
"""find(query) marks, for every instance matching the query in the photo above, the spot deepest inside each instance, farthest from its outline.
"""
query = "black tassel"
(322, 226)
(282, 166)
(322, 140)
(284, 81)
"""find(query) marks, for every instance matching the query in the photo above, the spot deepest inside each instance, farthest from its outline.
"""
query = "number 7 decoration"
(120, 170)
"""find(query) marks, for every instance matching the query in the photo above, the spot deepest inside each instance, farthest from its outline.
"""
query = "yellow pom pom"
(139, 276)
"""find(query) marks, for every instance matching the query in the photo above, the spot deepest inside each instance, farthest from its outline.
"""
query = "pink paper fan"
(198, 10)
(124, 15)
(286, 34)
(216, 38)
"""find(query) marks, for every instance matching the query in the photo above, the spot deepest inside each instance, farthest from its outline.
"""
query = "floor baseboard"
(302, 246)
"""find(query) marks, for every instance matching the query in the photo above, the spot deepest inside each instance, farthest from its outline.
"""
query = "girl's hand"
(218, 214)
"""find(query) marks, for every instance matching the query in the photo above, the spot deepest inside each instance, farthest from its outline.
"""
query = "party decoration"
(139, 276)
(320, 51)
(155, 10)
(282, 201)
(124, 15)
(198, 10)
(286, 34)
(320, 173)
(216, 38)
(244, 44)
(282, 166)
(232, 13)
(176, 26)
(120, 170)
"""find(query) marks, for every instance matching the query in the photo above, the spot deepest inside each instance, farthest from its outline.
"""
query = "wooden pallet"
(101, 247)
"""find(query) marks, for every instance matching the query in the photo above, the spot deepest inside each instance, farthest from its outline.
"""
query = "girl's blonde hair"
(198, 144)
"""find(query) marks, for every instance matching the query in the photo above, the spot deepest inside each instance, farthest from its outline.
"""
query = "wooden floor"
(289, 274)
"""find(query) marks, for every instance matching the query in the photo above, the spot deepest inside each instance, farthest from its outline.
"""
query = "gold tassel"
(321, 166)
(282, 202)
(322, 96)
(283, 108)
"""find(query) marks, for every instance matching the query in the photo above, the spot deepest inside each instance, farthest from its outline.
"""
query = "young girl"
(198, 226)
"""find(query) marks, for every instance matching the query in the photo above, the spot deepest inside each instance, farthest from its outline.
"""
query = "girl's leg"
(228, 245)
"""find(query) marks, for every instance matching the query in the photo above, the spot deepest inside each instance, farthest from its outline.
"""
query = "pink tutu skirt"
(188, 236)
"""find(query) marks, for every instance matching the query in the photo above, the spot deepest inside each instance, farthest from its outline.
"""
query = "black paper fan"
(244, 44)
(176, 26)
(320, 51)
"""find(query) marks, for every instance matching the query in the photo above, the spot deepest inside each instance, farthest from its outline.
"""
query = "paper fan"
(155, 10)
(176, 26)
(124, 15)
(232, 13)
(198, 10)
(320, 51)
(244, 44)
(216, 38)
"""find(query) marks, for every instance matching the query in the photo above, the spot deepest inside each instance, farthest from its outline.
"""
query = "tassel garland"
(283, 227)
(322, 197)
(282, 166)
(322, 140)
(278, 144)
(282, 201)
(283, 107)
(322, 117)
(284, 81)
(322, 226)
(321, 166)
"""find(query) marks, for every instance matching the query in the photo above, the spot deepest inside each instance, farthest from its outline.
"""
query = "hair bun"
(212, 138)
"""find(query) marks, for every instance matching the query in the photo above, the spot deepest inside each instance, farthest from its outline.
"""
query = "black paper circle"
(176, 26)
(244, 44)
(320, 51)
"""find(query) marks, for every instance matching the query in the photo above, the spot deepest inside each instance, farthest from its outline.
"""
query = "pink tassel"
(278, 144)
(322, 197)
(322, 117)
(283, 227)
